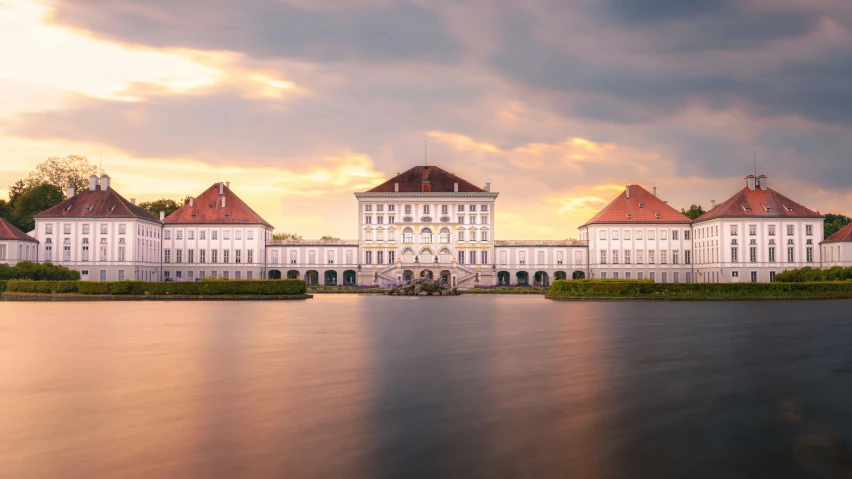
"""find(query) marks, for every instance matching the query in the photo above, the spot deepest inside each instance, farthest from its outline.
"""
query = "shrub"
(248, 287)
(2, 286)
(592, 288)
(92, 287)
(808, 274)
(38, 272)
(27, 286)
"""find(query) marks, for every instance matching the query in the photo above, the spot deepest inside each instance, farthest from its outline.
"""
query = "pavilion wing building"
(15, 245)
(755, 234)
(837, 249)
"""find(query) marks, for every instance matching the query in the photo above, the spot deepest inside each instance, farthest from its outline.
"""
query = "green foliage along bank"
(196, 288)
(808, 274)
(38, 272)
(650, 290)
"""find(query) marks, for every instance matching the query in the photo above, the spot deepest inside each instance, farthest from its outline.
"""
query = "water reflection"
(350, 386)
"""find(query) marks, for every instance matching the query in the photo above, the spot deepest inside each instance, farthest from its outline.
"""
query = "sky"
(557, 103)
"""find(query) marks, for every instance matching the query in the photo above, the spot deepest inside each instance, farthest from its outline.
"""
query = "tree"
(834, 222)
(33, 201)
(286, 236)
(693, 212)
(163, 204)
(15, 191)
(73, 170)
(329, 238)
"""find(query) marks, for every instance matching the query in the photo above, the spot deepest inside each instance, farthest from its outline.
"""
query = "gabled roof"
(8, 231)
(207, 209)
(758, 203)
(99, 203)
(844, 235)
(640, 208)
(437, 179)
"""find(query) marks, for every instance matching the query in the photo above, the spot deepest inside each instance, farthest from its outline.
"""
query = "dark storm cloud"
(650, 11)
(396, 31)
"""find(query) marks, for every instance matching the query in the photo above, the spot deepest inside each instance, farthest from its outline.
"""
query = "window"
(391, 220)
(651, 276)
(190, 256)
(674, 237)
(368, 257)
(752, 230)
(226, 274)
(603, 256)
(312, 257)
(627, 275)
(214, 257)
(293, 257)
(380, 235)
(85, 254)
(664, 234)
(754, 276)
(615, 256)
(688, 276)
(249, 275)
(522, 257)
(471, 208)
(121, 275)
(408, 235)
(368, 220)
(772, 276)
(460, 208)
(651, 259)
(603, 275)
(85, 229)
(408, 209)
(484, 219)
(771, 230)
(560, 257)
(102, 275)
(167, 235)
(483, 236)
(483, 208)
(461, 257)
(202, 256)
(461, 220)
(179, 234)
(627, 256)
(214, 235)
(602, 235)
(686, 237)
(391, 208)
(445, 235)
(380, 220)
(167, 255)
(66, 253)
(391, 235)
(665, 277)
(329, 256)
(190, 234)
(178, 256)
(226, 234)
(202, 235)
(368, 207)
(734, 255)
(676, 275)
(789, 230)
(771, 255)
(484, 257)
(809, 230)
(226, 256)
(503, 258)
(663, 256)
(66, 228)
(752, 254)
(809, 252)
(426, 235)
(103, 251)
(473, 235)
(675, 257)
(640, 256)
(651, 235)
(638, 234)
(445, 209)
(472, 257)
(103, 229)
(615, 234)
(380, 207)
(48, 229)
(539, 257)
(733, 230)
(368, 235)
(790, 255)
(578, 257)
(615, 275)
(48, 253)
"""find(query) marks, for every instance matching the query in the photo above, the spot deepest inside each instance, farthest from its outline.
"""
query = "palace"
(428, 222)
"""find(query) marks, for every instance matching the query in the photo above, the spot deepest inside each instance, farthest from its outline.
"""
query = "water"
(471, 386)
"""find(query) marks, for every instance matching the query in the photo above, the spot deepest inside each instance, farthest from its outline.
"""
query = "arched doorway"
(560, 275)
(331, 278)
(292, 274)
(541, 279)
(349, 277)
(407, 275)
(445, 276)
(274, 274)
(426, 273)
(578, 275)
(312, 278)
(503, 278)
(523, 278)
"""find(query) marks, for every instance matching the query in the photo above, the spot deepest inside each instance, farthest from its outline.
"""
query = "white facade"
(13, 251)
(836, 254)
(196, 251)
(539, 262)
(318, 262)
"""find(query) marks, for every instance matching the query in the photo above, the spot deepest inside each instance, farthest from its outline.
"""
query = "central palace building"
(428, 222)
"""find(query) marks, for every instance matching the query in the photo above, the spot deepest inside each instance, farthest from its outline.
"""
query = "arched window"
(426, 236)
(445, 235)
(408, 235)
(426, 251)
(408, 251)
(445, 251)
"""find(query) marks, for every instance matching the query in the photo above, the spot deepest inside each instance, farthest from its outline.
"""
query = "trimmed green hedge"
(31, 270)
(645, 289)
(808, 274)
(2, 286)
(194, 288)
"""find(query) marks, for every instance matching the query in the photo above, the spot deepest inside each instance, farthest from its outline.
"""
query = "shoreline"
(703, 298)
(149, 297)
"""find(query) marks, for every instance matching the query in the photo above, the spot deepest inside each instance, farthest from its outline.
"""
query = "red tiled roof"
(97, 204)
(439, 181)
(8, 231)
(844, 235)
(641, 207)
(758, 203)
(207, 209)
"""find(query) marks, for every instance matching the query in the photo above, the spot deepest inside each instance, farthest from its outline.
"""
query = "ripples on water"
(363, 387)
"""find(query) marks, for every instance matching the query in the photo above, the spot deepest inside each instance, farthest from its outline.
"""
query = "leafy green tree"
(163, 204)
(693, 212)
(286, 236)
(834, 222)
(33, 201)
(73, 170)
(16, 190)
(329, 238)
(38, 272)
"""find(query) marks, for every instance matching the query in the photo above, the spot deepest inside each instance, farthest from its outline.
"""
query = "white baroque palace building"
(639, 236)
(754, 235)
(100, 234)
(837, 249)
(215, 235)
(15, 245)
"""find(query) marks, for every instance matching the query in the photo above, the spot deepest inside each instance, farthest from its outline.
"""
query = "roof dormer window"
(657, 215)
(90, 207)
(68, 208)
(788, 208)
(195, 216)
(768, 209)
(629, 216)
(112, 207)
(641, 205)
(227, 216)
(746, 208)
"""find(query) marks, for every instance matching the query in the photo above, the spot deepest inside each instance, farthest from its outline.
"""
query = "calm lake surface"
(380, 387)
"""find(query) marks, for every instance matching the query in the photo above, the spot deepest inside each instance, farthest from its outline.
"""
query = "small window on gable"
(68, 208)
(90, 207)
(788, 208)
(641, 205)
(746, 208)
(227, 216)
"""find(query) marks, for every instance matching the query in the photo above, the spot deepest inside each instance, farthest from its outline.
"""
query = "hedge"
(194, 288)
(808, 274)
(2, 286)
(46, 271)
(643, 289)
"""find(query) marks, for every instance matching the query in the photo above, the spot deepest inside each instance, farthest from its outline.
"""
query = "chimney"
(627, 190)
(750, 181)
(223, 202)
(455, 187)
(488, 187)
(93, 183)
(162, 215)
(191, 201)
(104, 182)
(763, 181)
(70, 192)
(133, 201)
(227, 184)
(221, 188)
(396, 187)
(655, 191)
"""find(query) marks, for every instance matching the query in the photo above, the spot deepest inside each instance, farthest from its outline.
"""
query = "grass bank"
(597, 289)
(286, 287)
